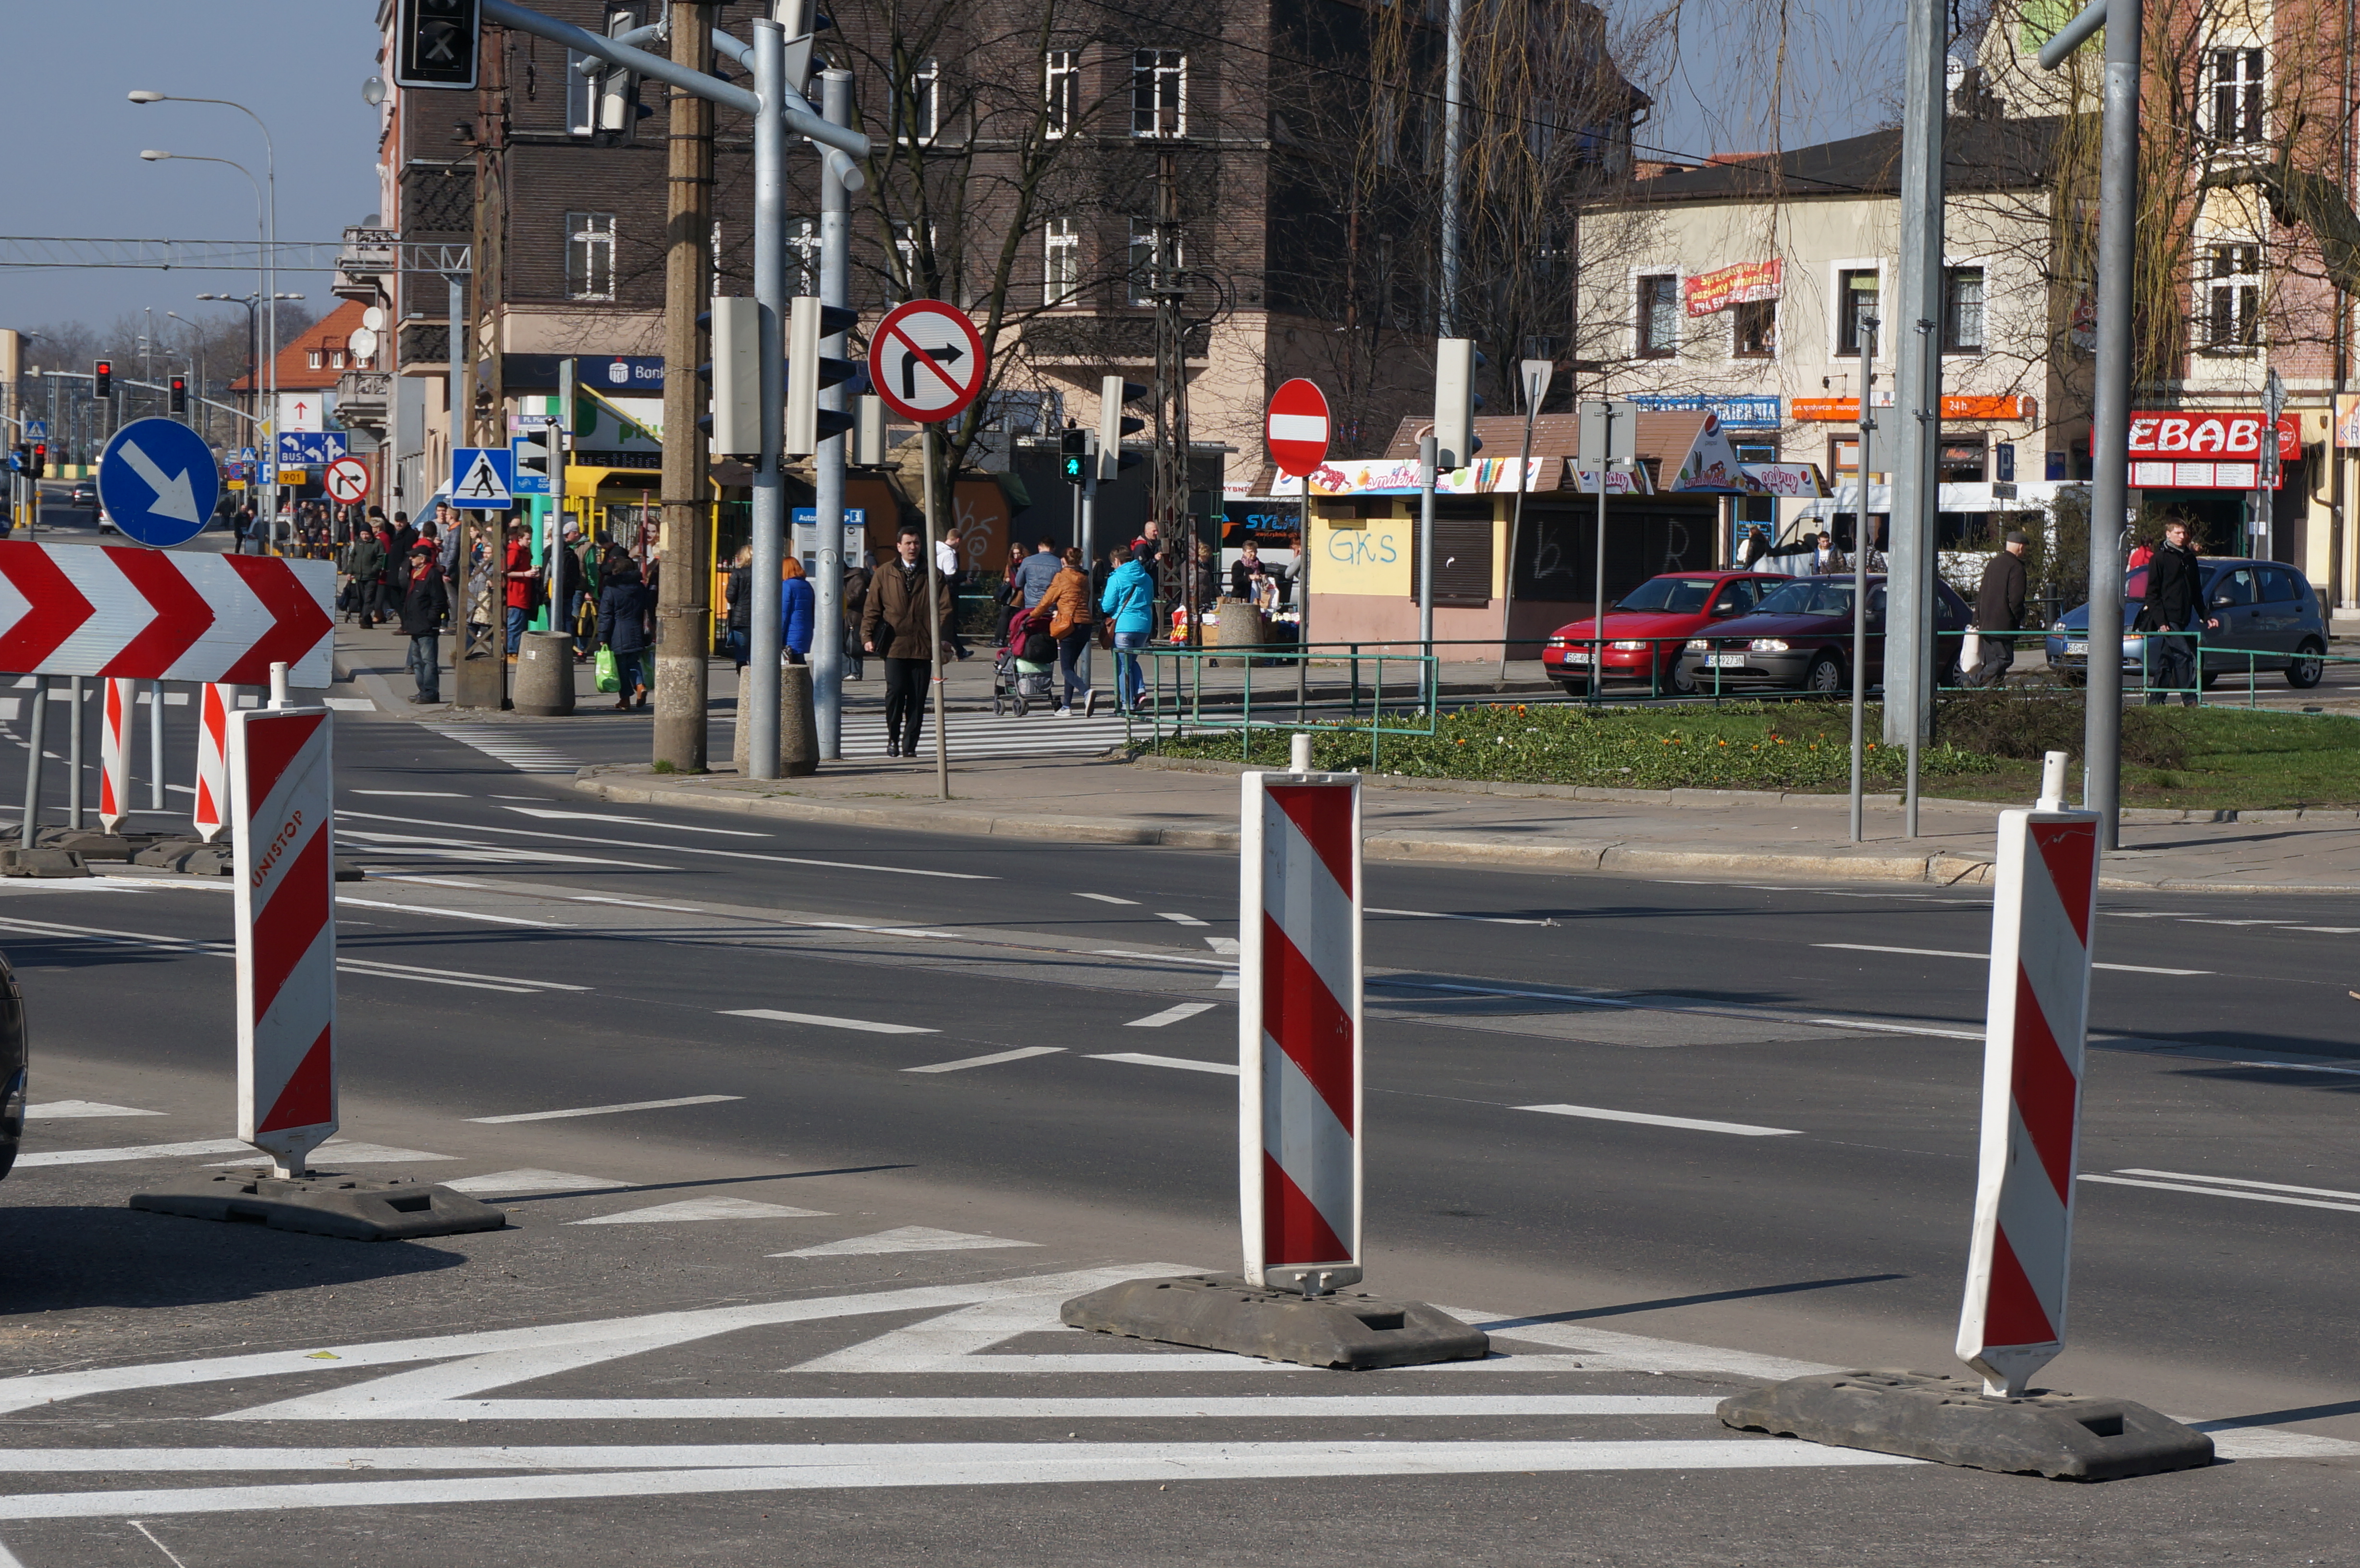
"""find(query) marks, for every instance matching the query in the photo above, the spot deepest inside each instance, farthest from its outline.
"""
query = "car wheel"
(1574, 688)
(1825, 678)
(1679, 680)
(2303, 671)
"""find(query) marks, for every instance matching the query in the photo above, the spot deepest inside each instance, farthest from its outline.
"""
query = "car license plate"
(2079, 647)
(1725, 661)
(1577, 656)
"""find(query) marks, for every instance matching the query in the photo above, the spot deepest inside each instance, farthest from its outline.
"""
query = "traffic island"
(1343, 1329)
(347, 1207)
(1951, 1421)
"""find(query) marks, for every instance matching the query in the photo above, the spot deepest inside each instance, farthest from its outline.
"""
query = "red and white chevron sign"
(211, 811)
(114, 754)
(1299, 1030)
(2014, 1320)
(156, 614)
(284, 862)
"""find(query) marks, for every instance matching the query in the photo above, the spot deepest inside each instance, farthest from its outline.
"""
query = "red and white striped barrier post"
(1299, 1031)
(2036, 1020)
(280, 807)
(211, 809)
(115, 753)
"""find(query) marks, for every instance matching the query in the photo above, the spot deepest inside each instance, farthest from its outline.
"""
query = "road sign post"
(210, 812)
(927, 361)
(1608, 439)
(158, 480)
(1299, 1040)
(1295, 428)
(116, 706)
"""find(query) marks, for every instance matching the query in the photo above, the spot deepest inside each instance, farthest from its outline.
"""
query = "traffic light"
(1455, 402)
(734, 372)
(1075, 445)
(1114, 424)
(180, 394)
(869, 434)
(40, 458)
(808, 370)
(436, 43)
(569, 411)
(101, 371)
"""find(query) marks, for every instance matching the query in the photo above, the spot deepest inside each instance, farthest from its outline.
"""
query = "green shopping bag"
(609, 678)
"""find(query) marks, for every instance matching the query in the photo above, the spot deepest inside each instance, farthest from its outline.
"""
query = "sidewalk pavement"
(1713, 835)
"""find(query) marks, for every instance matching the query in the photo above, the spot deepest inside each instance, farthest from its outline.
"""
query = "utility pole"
(1916, 348)
(828, 592)
(1170, 504)
(683, 611)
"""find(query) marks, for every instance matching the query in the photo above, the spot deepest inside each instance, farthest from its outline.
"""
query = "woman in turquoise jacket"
(1129, 602)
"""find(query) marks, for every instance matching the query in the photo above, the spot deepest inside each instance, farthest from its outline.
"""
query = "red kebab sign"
(2201, 449)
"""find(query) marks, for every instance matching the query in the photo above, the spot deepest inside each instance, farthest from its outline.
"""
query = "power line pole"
(1169, 505)
(683, 613)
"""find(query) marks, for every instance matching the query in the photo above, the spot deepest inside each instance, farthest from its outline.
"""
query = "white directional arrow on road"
(173, 497)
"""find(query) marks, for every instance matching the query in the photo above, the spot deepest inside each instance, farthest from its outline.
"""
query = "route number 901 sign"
(927, 361)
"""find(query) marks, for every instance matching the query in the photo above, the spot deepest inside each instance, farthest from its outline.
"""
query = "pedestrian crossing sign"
(482, 478)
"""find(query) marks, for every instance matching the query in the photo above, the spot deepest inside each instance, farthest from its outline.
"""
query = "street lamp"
(269, 242)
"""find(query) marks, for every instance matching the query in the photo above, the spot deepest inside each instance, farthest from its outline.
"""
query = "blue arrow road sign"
(309, 449)
(482, 478)
(158, 482)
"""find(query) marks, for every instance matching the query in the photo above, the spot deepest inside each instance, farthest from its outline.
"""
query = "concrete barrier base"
(1221, 1312)
(1951, 1422)
(344, 1207)
(41, 862)
(545, 675)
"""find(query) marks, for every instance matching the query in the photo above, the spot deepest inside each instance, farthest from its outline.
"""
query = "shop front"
(2204, 467)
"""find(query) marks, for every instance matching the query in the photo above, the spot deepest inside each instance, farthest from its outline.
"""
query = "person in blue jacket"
(1129, 602)
(796, 602)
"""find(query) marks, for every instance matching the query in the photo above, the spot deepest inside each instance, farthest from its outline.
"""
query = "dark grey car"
(2271, 618)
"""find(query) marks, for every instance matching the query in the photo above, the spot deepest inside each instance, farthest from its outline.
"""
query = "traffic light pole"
(758, 698)
(827, 589)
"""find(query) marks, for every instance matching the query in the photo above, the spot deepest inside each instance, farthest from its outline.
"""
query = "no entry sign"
(1296, 427)
(927, 361)
(348, 480)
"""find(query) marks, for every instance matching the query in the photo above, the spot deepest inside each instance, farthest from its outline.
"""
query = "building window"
(920, 114)
(581, 94)
(802, 239)
(590, 256)
(1159, 92)
(1061, 269)
(2236, 98)
(1063, 90)
(2233, 303)
(1962, 310)
(314, 359)
(335, 359)
(1754, 329)
(906, 258)
(1855, 304)
(1659, 316)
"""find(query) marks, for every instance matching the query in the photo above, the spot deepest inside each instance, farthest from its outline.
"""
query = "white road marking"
(392, 971)
(133, 1151)
(606, 1110)
(412, 794)
(2279, 1066)
(705, 1209)
(2241, 1182)
(839, 1467)
(333, 1153)
(994, 1059)
(822, 1020)
(530, 1180)
(544, 811)
(681, 849)
(1986, 957)
(2328, 930)
(635, 904)
(520, 749)
(83, 1108)
(480, 854)
(349, 704)
(1739, 1129)
(1159, 957)
(1228, 945)
(454, 914)
(1181, 920)
(1107, 898)
(2200, 921)
(1170, 1015)
(1900, 1029)
(1140, 1059)
(1436, 915)
(2223, 1193)
(904, 1238)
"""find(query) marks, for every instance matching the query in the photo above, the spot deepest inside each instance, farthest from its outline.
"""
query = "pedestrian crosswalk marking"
(704, 1209)
(904, 1238)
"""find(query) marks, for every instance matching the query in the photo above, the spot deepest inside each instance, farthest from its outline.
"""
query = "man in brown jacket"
(893, 628)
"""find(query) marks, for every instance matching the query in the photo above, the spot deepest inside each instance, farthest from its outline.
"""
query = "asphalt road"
(887, 1195)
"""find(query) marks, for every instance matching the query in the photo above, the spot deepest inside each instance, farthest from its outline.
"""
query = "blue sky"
(73, 167)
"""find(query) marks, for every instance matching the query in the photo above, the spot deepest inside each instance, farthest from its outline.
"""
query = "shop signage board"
(2206, 449)
(1844, 410)
(1736, 411)
(1747, 283)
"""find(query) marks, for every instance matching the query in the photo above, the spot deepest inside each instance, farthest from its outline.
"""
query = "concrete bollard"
(545, 675)
(798, 725)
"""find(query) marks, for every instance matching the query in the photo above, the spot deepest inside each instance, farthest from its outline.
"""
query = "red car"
(1649, 624)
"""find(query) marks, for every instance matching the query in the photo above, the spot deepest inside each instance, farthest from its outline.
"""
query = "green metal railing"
(1175, 702)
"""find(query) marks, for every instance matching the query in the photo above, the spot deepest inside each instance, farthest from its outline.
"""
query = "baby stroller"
(1021, 677)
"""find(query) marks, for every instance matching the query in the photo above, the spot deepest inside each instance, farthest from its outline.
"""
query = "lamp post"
(253, 361)
(270, 264)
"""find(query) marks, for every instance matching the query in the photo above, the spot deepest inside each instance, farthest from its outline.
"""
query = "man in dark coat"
(2175, 594)
(424, 602)
(893, 628)
(1999, 612)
